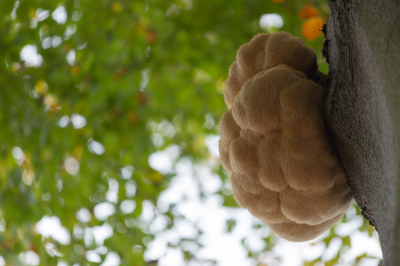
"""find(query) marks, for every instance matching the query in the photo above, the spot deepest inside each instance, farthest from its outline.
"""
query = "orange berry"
(311, 28)
(133, 117)
(142, 98)
(150, 37)
(308, 11)
(119, 73)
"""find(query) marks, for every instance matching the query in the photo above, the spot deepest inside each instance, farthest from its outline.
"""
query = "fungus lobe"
(274, 143)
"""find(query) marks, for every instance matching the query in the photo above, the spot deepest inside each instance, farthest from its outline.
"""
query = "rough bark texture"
(363, 109)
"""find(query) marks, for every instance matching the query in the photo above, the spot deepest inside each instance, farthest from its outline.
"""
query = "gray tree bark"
(363, 109)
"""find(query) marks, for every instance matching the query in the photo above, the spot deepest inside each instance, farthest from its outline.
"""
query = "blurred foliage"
(90, 89)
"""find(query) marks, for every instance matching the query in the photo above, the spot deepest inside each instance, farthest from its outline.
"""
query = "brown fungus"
(274, 143)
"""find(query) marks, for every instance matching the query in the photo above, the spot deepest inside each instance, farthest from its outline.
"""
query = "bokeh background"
(108, 135)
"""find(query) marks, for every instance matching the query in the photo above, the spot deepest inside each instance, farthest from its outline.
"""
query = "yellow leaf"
(74, 70)
(78, 151)
(32, 13)
(156, 177)
(116, 7)
(3, 172)
(41, 87)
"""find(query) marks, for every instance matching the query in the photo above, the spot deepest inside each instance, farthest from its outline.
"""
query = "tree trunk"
(363, 109)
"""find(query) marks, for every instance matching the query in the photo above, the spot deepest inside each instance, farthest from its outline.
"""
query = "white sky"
(210, 217)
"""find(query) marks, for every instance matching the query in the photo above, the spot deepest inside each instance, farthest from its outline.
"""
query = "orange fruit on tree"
(308, 11)
(311, 28)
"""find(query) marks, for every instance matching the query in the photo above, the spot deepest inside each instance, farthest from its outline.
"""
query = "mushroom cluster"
(274, 143)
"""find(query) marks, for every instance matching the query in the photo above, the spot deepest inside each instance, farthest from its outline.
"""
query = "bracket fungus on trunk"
(274, 144)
